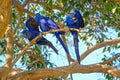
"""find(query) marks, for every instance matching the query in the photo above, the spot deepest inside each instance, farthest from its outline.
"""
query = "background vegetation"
(102, 30)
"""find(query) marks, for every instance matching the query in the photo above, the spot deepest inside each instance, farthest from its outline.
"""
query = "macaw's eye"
(73, 18)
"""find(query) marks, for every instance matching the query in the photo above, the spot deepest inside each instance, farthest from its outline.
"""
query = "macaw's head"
(26, 34)
(31, 24)
(38, 17)
(71, 19)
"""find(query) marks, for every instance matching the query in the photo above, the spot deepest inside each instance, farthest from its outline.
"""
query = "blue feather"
(62, 43)
(75, 37)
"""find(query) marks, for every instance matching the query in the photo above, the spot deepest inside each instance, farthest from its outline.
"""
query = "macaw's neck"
(75, 25)
(38, 17)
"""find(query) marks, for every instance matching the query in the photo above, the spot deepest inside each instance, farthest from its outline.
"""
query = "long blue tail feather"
(75, 36)
(62, 43)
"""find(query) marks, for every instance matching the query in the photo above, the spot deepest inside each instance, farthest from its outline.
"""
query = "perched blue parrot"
(30, 35)
(47, 24)
(75, 20)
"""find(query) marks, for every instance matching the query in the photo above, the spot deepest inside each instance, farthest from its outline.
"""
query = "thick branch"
(5, 12)
(64, 71)
(40, 74)
(9, 48)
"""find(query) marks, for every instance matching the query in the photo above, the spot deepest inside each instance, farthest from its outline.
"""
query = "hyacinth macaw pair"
(74, 20)
(45, 24)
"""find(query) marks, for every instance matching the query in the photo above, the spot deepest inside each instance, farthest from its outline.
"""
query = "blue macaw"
(75, 20)
(30, 35)
(47, 24)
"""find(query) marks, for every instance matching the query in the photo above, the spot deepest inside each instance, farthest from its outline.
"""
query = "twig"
(21, 8)
(32, 54)
(46, 5)
(111, 60)
(19, 22)
(38, 58)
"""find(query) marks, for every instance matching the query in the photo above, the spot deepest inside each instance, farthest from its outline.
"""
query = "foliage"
(101, 18)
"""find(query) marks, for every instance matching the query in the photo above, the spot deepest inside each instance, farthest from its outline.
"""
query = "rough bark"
(62, 71)
(5, 10)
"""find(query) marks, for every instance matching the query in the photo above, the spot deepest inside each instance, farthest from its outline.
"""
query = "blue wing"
(42, 21)
(52, 24)
(80, 19)
(44, 25)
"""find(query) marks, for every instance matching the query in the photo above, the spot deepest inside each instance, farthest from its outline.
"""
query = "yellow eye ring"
(73, 18)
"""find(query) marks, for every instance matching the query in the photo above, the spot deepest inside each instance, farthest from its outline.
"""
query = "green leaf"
(64, 2)
(86, 14)
(89, 1)
(119, 34)
(103, 59)
(104, 49)
(1, 61)
(104, 0)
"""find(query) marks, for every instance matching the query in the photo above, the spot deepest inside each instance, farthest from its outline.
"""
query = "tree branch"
(38, 58)
(100, 45)
(64, 71)
(32, 54)
(46, 5)
(19, 22)
(112, 59)
(5, 14)
(21, 8)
